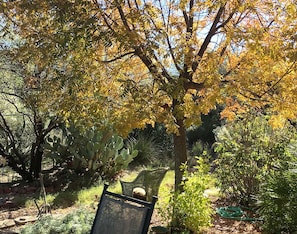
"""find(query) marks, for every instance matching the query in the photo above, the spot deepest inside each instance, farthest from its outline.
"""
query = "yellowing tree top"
(137, 62)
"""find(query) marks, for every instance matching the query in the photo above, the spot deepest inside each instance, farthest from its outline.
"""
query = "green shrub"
(278, 202)
(199, 147)
(248, 149)
(148, 150)
(191, 209)
(79, 222)
(155, 144)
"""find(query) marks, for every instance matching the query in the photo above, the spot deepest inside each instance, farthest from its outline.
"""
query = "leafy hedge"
(278, 202)
(248, 150)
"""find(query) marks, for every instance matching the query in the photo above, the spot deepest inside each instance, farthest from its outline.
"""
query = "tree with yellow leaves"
(131, 63)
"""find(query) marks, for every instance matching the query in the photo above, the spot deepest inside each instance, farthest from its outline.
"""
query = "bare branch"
(118, 57)
(168, 40)
(207, 40)
(123, 17)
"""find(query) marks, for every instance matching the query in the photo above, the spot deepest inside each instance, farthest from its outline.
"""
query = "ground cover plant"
(78, 222)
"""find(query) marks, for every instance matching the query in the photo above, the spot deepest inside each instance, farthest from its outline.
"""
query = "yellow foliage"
(277, 121)
(129, 64)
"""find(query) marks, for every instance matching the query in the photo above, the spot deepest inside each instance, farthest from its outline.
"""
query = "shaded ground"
(224, 226)
(11, 209)
(220, 225)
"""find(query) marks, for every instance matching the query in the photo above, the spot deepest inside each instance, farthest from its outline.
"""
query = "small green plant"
(79, 222)
(278, 202)
(191, 209)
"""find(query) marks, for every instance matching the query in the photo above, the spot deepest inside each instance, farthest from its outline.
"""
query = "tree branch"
(226, 21)
(139, 51)
(118, 57)
(123, 17)
(207, 40)
(193, 85)
(289, 70)
(168, 40)
(11, 138)
(189, 19)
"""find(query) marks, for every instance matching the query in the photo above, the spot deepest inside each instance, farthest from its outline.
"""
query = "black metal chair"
(120, 214)
(149, 180)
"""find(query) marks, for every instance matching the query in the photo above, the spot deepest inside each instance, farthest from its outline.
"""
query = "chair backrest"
(120, 214)
(149, 180)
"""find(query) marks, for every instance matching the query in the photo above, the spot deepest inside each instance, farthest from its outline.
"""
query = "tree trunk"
(180, 153)
(36, 159)
(37, 150)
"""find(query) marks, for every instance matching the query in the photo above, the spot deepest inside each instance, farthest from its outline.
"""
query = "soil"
(10, 210)
(220, 225)
(224, 226)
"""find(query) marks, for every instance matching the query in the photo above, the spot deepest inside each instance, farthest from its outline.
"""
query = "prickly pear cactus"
(93, 151)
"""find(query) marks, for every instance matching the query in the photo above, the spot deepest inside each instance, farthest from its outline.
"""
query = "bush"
(79, 222)
(191, 209)
(278, 202)
(147, 148)
(198, 148)
(154, 145)
(249, 149)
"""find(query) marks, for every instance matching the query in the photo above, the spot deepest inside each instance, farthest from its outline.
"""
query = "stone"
(6, 223)
(25, 219)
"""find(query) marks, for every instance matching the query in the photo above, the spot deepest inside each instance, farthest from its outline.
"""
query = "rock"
(6, 223)
(24, 219)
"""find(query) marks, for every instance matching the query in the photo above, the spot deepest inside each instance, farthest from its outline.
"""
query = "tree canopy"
(130, 63)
